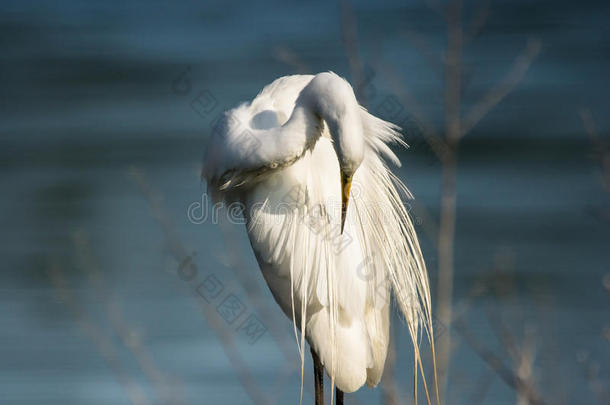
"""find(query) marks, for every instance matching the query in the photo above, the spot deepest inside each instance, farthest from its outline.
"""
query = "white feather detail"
(334, 286)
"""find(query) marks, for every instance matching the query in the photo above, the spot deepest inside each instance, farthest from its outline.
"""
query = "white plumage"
(285, 156)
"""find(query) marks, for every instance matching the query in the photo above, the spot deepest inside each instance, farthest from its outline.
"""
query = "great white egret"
(291, 156)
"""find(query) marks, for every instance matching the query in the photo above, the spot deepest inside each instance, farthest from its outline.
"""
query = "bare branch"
(104, 344)
(501, 90)
(388, 382)
(589, 123)
(291, 58)
(434, 59)
(350, 43)
(126, 332)
(446, 235)
(602, 150)
(217, 323)
(480, 392)
(430, 134)
(502, 333)
(526, 362)
(479, 20)
(437, 6)
(597, 384)
(497, 365)
(453, 71)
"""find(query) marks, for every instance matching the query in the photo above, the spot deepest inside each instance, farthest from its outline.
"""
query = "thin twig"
(437, 6)
(291, 58)
(481, 14)
(435, 60)
(349, 33)
(497, 365)
(123, 328)
(597, 385)
(429, 132)
(388, 381)
(105, 346)
(217, 323)
(602, 149)
(446, 239)
(484, 384)
(526, 363)
(494, 96)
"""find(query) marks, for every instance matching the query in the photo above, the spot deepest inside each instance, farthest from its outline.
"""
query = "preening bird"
(326, 221)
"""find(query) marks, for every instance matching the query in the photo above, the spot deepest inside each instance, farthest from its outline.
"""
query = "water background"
(101, 118)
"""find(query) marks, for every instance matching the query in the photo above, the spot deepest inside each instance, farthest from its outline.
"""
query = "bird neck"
(304, 122)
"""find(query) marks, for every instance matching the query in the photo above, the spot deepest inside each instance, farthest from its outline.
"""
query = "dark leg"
(318, 377)
(339, 395)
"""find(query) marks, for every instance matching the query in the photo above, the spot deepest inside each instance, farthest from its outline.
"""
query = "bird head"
(330, 98)
(348, 140)
(333, 100)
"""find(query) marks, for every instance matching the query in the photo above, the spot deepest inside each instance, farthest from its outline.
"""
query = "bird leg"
(318, 377)
(339, 396)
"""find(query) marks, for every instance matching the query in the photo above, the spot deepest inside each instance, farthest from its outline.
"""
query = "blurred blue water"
(89, 91)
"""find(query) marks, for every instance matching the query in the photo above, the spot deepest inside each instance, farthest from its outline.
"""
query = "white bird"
(291, 157)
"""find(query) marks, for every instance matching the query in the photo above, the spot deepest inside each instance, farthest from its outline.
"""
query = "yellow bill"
(346, 185)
